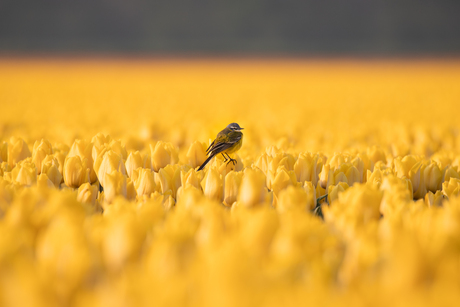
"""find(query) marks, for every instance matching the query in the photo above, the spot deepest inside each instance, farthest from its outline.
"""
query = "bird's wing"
(224, 142)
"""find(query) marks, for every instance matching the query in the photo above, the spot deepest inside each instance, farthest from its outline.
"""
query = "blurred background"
(328, 27)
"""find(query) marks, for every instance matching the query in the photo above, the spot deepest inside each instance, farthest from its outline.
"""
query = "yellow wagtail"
(227, 141)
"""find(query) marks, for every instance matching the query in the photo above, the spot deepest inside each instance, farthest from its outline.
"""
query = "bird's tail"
(206, 162)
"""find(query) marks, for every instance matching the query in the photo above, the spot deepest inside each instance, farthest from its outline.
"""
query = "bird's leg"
(231, 160)
(224, 158)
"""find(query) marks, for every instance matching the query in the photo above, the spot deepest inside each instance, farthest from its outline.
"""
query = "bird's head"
(234, 127)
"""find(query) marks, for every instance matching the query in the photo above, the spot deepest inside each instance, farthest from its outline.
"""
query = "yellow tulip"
(145, 183)
(83, 149)
(196, 154)
(75, 172)
(50, 167)
(133, 162)
(326, 177)
(115, 185)
(131, 193)
(451, 188)
(334, 190)
(432, 200)
(311, 194)
(305, 168)
(190, 178)
(40, 151)
(162, 155)
(24, 173)
(293, 198)
(213, 185)
(106, 164)
(432, 176)
(232, 185)
(43, 182)
(17, 151)
(252, 191)
(87, 193)
(169, 178)
(450, 172)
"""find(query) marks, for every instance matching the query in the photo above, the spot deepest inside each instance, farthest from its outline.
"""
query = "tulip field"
(101, 202)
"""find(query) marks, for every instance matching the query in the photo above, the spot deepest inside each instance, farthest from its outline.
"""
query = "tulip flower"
(305, 168)
(450, 172)
(326, 176)
(50, 167)
(106, 164)
(232, 185)
(83, 149)
(451, 188)
(311, 194)
(162, 155)
(434, 199)
(75, 172)
(293, 198)
(24, 173)
(145, 183)
(433, 176)
(133, 162)
(170, 178)
(213, 185)
(87, 193)
(43, 182)
(115, 185)
(40, 151)
(190, 178)
(131, 193)
(334, 190)
(17, 150)
(196, 154)
(252, 191)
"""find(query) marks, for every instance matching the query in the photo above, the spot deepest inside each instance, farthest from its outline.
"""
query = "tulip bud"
(334, 190)
(131, 193)
(252, 191)
(212, 185)
(43, 182)
(87, 193)
(75, 172)
(106, 164)
(326, 177)
(17, 150)
(145, 183)
(311, 195)
(451, 188)
(24, 173)
(292, 198)
(190, 178)
(375, 178)
(196, 154)
(61, 159)
(39, 153)
(133, 162)
(418, 177)
(83, 149)
(403, 166)
(450, 172)
(353, 176)
(434, 199)
(99, 145)
(263, 162)
(170, 179)
(433, 177)
(283, 179)
(163, 154)
(3, 152)
(50, 167)
(232, 185)
(305, 168)
(115, 185)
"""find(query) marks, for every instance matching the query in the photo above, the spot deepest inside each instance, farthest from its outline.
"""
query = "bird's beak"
(241, 128)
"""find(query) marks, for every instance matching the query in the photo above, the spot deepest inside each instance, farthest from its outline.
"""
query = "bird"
(227, 141)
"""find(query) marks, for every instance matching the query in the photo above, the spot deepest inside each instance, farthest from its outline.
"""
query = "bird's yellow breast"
(235, 147)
